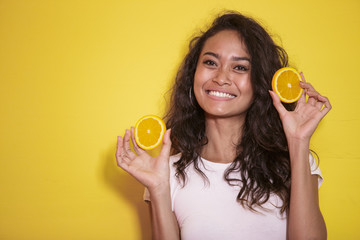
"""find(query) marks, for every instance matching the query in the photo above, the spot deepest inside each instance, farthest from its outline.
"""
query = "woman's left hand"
(301, 123)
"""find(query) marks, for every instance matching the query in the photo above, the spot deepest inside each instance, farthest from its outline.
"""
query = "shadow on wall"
(127, 188)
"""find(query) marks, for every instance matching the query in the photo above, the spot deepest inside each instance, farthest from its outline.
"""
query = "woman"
(238, 148)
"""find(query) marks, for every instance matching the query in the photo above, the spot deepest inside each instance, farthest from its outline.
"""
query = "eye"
(209, 62)
(241, 68)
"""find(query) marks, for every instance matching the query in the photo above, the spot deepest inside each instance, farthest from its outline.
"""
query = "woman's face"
(222, 84)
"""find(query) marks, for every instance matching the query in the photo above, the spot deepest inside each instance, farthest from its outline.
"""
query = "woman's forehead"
(226, 41)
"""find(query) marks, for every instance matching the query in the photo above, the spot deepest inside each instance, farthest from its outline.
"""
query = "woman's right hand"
(153, 173)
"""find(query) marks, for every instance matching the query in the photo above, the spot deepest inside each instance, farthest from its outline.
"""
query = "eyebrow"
(233, 58)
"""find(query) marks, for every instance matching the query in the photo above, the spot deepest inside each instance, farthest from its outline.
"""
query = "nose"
(222, 77)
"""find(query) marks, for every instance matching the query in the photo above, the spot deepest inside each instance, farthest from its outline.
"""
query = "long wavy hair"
(262, 164)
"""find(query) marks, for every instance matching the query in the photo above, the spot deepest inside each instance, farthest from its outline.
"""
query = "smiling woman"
(239, 154)
(222, 84)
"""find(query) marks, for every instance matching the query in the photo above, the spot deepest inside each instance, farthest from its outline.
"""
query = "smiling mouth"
(220, 94)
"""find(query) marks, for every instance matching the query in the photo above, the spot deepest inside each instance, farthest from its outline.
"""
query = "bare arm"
(163, 221)
(305, 220)
(153, 173)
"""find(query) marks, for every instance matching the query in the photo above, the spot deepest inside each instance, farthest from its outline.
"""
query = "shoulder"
(175, 158)
(315, 169)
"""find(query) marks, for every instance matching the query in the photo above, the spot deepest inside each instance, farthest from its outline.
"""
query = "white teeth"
(221, 94)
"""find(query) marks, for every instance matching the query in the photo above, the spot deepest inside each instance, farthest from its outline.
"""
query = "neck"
(223, 136)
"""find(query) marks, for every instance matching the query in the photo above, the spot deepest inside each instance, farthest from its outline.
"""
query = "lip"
(220, 94)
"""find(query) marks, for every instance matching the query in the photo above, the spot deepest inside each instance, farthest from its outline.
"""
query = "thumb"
(165, 151)
(277, 103)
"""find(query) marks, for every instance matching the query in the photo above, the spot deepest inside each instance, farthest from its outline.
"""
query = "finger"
(277, 103)
(127, 147)
(119, 149)
(314, 98)
(302, 77)
(165, 151)
(307, 86)
(120, 155)
(124, 165)
(310, 91)
(327, 105)
(313, 95)
(137, 149)
(319, 104)
(312, 101)
(303, 95)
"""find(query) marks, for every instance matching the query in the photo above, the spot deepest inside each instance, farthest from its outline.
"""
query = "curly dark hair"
(262, 163)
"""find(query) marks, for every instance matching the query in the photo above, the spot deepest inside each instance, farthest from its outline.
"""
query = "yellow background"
(75, 74)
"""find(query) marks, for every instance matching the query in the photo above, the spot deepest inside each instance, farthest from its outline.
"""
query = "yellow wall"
(74, 74)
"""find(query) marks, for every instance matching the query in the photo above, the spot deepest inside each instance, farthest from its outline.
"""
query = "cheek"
(245, 85)
(250, 88)
(197, 89)
(199, 74)
(199, 79)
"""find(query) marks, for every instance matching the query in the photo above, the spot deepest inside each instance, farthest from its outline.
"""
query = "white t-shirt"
(210, 211)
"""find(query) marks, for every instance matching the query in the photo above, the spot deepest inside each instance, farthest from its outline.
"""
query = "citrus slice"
(285, 84)
(149, 131)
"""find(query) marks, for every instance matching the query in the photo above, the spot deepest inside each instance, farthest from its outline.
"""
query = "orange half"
(149, 131)
(286, 84)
